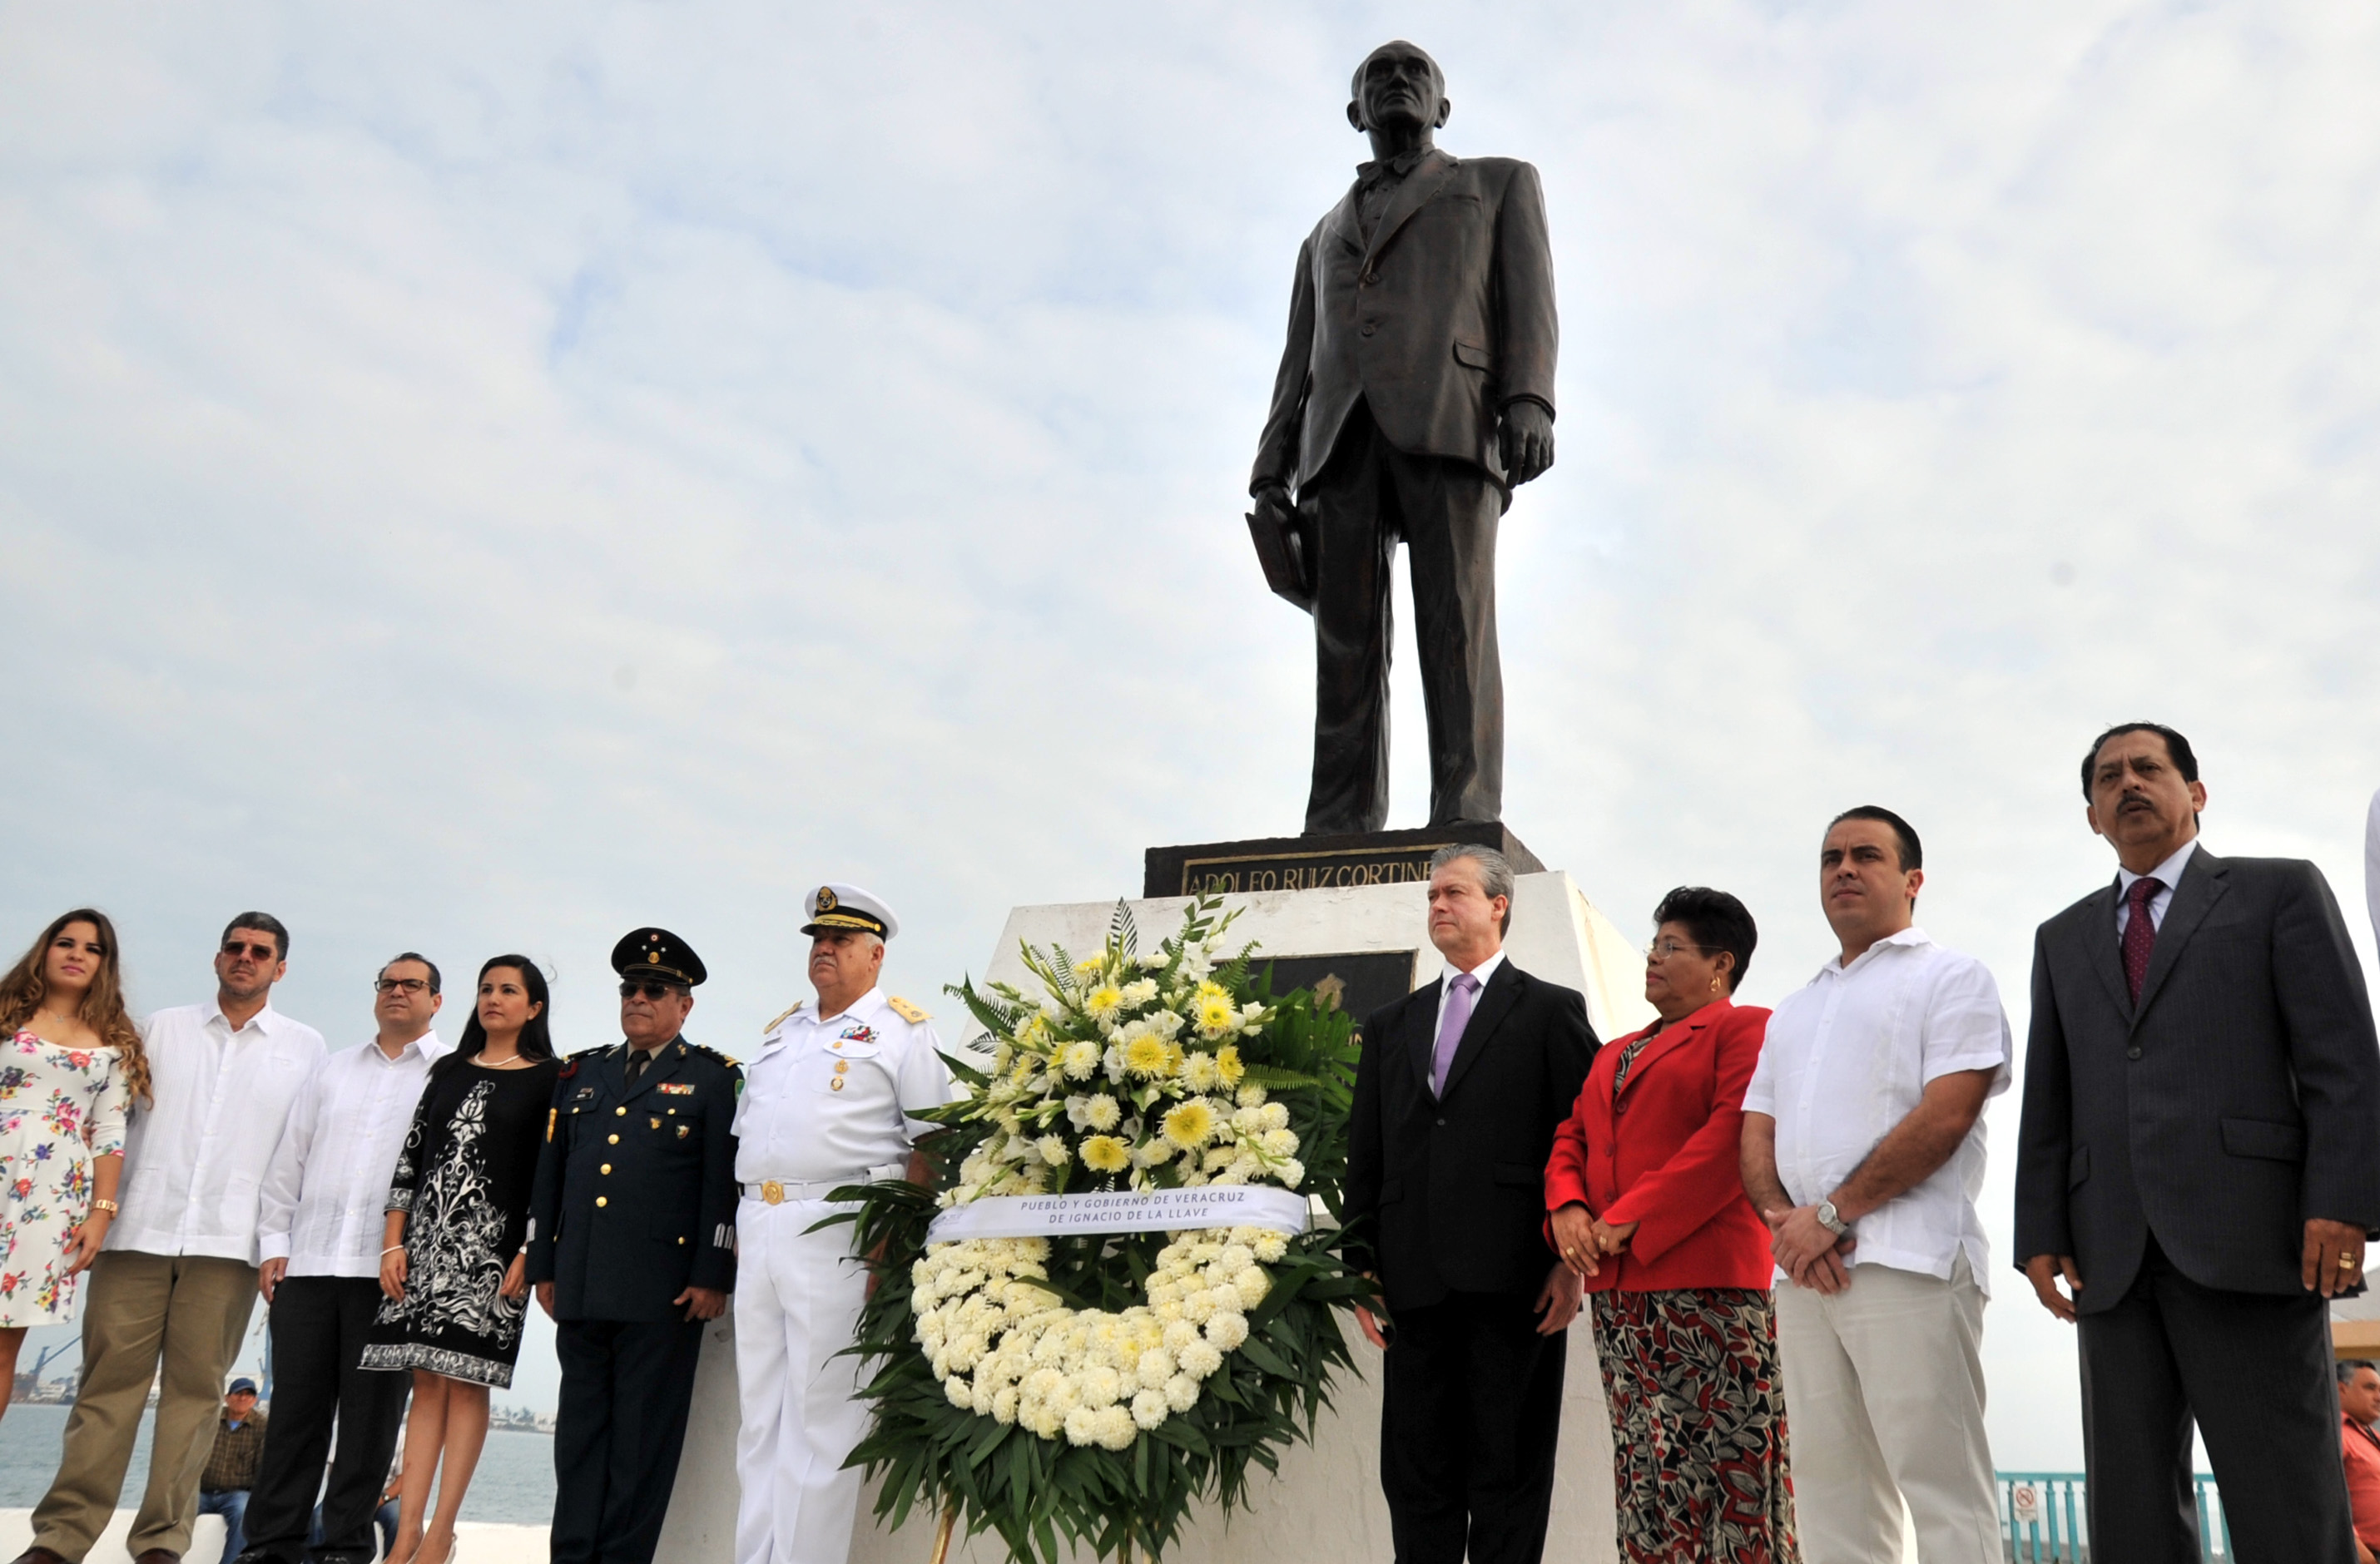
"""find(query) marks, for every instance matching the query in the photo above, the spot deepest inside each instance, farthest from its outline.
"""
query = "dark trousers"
(1470, 1411)
(1366, 498)
(2254, 1371)
(318, 1326)
(625, 1387)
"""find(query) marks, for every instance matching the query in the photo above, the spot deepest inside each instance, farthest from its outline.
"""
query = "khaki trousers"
(173, 1319)
(1884, 1396)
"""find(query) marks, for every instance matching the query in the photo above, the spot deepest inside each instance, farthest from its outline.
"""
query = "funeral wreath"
(1118, 1294)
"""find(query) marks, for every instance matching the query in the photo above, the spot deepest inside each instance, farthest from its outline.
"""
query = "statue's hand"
(1273, 507)
(1527, 439)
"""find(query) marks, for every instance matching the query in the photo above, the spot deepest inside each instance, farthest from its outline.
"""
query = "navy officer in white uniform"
(829, 1101)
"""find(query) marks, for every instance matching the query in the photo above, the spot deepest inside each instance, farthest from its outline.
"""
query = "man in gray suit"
(2199, 1161)
(1416, 388)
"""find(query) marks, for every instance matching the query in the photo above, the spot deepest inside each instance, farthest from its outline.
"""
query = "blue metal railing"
(2042, 1517)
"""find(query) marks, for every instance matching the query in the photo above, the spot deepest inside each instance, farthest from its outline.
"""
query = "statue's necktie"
(639, 1058)
(1460, 1000)
(2139, 933)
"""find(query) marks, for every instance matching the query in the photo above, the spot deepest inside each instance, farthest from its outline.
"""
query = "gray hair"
(2350, 1367)
(1495, 872)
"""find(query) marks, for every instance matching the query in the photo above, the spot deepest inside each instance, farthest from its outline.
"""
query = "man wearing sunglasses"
(171, 1294)
(320, 1228)
(631, 1248)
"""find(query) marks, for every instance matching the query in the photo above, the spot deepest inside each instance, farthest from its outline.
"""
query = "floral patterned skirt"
(1699, 1459)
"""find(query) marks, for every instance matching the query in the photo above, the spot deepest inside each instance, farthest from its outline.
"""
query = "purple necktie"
(1458, 1000)
(2139, 933)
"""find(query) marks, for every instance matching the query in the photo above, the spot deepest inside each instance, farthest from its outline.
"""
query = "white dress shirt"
(2167, 873)
(1448, 972)
(326, 1191)
(1846, 1059)
(195, 1158)
(830, 1099)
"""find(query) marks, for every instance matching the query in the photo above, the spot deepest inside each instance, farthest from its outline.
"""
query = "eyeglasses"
(255, 952)
(1662, 950)
(650, 990)
(409, 984)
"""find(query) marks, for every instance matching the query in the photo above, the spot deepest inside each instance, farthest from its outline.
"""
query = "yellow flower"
(1214, 1013)
(1198, 1072)
(1103, 1002)
(1088, 968)
(1228, 1065)
(1190, 1125)
(1145, 1057)
(1105, 1154)
(1209, 989)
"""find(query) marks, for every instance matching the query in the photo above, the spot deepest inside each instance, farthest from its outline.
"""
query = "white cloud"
(480, 480)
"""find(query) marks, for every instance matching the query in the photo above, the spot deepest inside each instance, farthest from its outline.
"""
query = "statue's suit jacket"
(1446, 316)
(2239, 1098)
(1448, 1193)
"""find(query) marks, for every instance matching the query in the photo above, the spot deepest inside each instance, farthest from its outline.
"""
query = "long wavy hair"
(537, 1037)
(22, 992)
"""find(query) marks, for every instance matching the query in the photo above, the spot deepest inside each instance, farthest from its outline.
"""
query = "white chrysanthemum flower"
(1179, 1333)
(1245, 1122)
(1111, 1428)
(1054, 1150)
(1198, 1360)
(1182, 1392)
(1198, 1072)
(1225, 1332)
(1101, 1387)
(1291, 1172)
(1279, 1143)
(1234, 1255)
(1004, 1405)
(1101, 1112)
(1140, 990)
(1082, 1060)
(1081, 1426)
(1148, 1408)
(1252, 1284)
(961, 1393)
(1271, 1247)
(1272, 1115)
(1254, 1096)
(1157, 1365)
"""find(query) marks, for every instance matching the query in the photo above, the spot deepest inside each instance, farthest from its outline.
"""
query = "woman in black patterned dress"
(453, 1270)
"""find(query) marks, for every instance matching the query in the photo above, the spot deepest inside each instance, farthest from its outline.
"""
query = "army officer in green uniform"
(631, 1247)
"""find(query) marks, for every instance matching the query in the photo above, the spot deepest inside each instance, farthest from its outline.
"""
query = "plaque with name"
(1319, 863)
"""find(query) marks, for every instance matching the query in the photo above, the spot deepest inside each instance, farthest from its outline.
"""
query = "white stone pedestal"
(1325, 1506)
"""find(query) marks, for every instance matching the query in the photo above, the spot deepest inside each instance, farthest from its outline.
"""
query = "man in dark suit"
(631, 1247)
(1457, 1098)
(2200, 1160)
(1416, 388)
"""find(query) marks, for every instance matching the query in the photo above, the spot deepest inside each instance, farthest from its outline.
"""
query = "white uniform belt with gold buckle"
(776, 1192)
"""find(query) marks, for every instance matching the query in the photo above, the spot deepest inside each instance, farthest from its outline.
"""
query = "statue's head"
(1398, 87)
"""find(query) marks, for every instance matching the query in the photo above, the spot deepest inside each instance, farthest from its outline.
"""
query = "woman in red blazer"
(1648, 1206)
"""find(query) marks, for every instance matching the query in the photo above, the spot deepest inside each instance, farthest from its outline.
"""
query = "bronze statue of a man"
(1417, 389)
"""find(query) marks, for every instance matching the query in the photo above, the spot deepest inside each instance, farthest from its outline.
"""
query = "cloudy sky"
(485, 479)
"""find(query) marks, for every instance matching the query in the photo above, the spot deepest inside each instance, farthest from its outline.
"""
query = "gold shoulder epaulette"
(785, 1015)
(707, 1053)
(906, 1010)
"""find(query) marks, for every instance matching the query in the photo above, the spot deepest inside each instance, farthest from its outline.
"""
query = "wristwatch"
(1832, 1219)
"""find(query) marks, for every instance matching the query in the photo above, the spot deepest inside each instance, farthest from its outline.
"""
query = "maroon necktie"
(2139, 933)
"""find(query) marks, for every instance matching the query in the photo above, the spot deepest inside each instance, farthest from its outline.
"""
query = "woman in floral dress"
(455, 1267)
(70, 1064)
(1648, 1206)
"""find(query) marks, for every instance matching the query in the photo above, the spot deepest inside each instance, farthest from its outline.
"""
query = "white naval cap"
(835, 906)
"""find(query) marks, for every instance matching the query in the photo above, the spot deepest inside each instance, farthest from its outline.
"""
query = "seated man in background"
(2358, 1408)
(231, 1466)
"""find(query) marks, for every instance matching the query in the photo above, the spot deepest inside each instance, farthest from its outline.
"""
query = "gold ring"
(2348, 1262)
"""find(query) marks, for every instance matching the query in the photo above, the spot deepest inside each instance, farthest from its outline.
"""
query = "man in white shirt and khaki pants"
(1864, 1150)
(172, 1291)
(320, 1227)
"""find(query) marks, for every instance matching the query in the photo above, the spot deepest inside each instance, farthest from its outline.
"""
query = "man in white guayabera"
(321, 1218)
(1864, 1150)
(828, 1101)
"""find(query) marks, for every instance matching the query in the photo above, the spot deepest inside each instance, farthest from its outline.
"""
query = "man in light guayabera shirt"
(171, 1293)
(1863, 1151)
(320, 1229)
